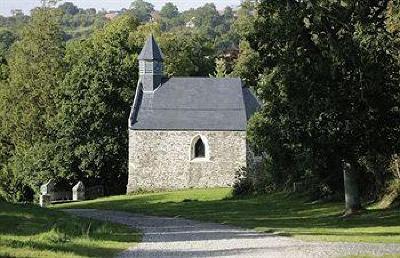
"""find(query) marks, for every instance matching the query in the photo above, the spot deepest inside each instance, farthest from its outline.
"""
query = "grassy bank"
(289, 214)
(30, 231)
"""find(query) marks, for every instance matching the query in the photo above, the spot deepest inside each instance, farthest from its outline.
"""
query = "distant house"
(191, 24)
(186, 132)
(111, 15)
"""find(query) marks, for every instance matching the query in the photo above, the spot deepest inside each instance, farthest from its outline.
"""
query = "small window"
(149, 67)
(199, 149)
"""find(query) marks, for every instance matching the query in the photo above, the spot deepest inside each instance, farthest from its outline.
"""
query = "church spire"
(151, 51)
(150, 65)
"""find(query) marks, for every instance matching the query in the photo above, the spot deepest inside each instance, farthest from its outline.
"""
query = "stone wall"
(163, 159)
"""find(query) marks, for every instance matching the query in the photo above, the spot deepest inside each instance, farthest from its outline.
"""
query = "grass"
(30, 231)
(284, 213)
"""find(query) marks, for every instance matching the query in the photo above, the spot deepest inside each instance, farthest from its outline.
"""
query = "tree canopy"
(142, 10)
(36, 69)
(330, 87)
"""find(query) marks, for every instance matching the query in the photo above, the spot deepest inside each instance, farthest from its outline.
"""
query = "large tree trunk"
(351, 190)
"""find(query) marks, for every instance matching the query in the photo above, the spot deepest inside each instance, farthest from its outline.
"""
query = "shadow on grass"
(28, 226)
(278, 211)
(70, 248)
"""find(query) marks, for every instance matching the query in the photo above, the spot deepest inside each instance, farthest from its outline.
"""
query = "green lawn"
(30, 231)
(284, 213)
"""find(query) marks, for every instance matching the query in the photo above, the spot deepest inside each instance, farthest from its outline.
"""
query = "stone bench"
(48, 193)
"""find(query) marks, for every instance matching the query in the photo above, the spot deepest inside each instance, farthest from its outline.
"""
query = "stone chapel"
(186, 132)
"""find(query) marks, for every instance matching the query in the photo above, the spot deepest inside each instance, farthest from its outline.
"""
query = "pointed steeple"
(151, 50)
(151, 65)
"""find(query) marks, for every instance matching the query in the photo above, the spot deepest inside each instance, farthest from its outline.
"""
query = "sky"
(26, 5)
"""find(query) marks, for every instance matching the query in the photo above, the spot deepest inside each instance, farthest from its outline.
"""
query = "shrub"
(254, 180)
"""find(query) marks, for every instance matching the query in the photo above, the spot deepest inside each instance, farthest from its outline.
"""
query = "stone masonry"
(162, 159)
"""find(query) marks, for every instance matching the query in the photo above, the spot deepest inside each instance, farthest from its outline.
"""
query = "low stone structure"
(44, 200)
(46, 193)
(49, 193)
(78, 192)
(48, 188)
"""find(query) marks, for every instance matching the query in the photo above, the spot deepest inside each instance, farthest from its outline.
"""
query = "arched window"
(199, 149)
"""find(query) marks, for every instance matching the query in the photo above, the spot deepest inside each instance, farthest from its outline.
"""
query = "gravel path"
(176, 237)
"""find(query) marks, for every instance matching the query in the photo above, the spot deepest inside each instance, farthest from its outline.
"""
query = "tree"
(330, 87)
(95, 102)
(170, 17)
(69, 8)
(169, 11)
(142, 10)
(17, 12)
(247, 66)
(244, 24)
(187, 54)
(205, 19)
(220, 68)
(36, 70)
(7, 38)
(393, 16)
(229, 14)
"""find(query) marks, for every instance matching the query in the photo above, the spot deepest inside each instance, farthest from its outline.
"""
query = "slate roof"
(151, 51)
(194, 104)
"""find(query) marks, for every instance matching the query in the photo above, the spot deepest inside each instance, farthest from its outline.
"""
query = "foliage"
(169, 11)
(7, 38)
(252, 181)
(80, 23)
(170, 17)
(14, 22)
(220, 68)
(30, 231)
(244, 24)
(393, 16)
(142, 10)
(76, 22)
(206, 18)
(69, 8)
(94, 105)
(207, 21)
(330, 86)
(36, 70)
(186, 54)
(290, 213)
(247, 66)
(243, 183)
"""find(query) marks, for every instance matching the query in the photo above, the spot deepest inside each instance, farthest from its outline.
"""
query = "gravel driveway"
(176, 237)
